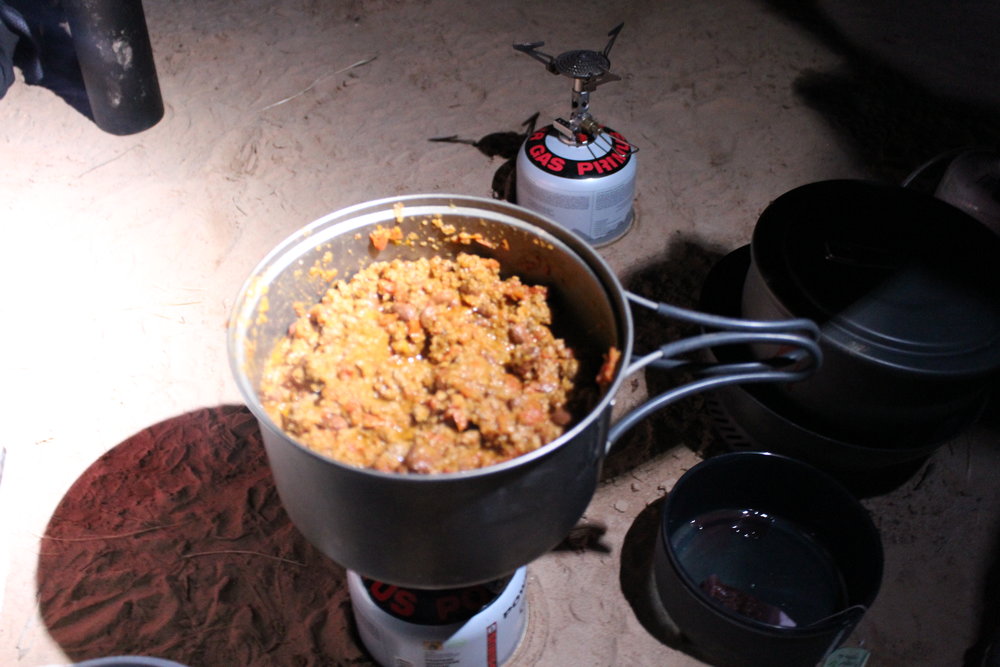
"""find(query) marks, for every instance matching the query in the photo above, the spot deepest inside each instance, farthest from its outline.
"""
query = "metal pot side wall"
(431, 533)
(856, 393)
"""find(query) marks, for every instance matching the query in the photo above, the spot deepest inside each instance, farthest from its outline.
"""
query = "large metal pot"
(457, 529)
(907, 294)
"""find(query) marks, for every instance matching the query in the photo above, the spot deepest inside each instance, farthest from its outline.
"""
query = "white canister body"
(587, 188)
(486, 639)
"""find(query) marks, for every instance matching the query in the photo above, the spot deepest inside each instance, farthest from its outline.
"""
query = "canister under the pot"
(464, 627)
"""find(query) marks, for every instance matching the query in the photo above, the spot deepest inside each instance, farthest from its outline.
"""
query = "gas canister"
(588, 186)
(579, 172)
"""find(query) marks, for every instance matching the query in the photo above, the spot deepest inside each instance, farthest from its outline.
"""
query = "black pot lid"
(890, 273)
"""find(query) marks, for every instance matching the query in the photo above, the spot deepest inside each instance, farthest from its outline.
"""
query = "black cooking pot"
(760, 417)
(763, 560)
(907, 293)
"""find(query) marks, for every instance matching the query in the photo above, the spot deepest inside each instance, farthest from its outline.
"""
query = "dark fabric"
(16, 42)
(8, 42)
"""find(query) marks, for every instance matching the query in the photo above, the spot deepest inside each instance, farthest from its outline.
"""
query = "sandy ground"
(122, 255)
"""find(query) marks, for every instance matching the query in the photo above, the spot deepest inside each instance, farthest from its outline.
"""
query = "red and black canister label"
(432, 606)
(604, 157)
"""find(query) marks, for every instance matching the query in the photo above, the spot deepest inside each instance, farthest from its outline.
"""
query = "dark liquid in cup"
(761, 566)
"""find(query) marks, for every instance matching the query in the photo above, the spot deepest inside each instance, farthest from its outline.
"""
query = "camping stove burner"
(588, 69)
(459, 627)
(583, 65)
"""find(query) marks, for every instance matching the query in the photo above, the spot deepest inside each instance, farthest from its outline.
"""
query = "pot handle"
(796, 339)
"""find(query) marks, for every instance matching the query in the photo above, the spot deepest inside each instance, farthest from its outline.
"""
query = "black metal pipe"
(116, 61)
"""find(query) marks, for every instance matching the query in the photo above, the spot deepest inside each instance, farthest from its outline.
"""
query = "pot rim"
(355, 217)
